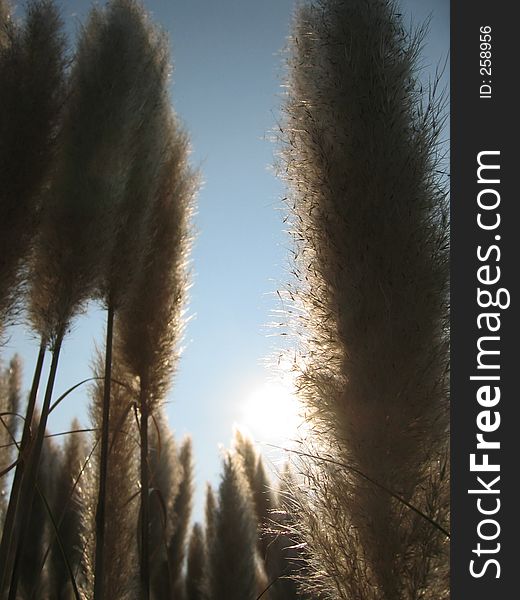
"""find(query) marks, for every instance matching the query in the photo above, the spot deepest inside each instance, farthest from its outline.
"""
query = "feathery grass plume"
(285, 563)
(168, 573)
(196, 568)
(140, 70)
(166, 473)
(210, 510)
(151, 322)
(182, 508)
(370, 223)
(233, 562)
(34, 577)
(264, 501)
(4, 22)
(259, 485)
(10, 400)
(67, 513)
(10, 395)
(14, 392)
(244, 447)
(94, 160)
(144, 66)
(120, 573)
(33, 90)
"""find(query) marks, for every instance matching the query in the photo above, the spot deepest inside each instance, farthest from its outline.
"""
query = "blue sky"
(226, 89)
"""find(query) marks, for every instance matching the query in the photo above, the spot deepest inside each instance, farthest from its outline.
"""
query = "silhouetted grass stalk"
(55, 529)
(371, 236)
(8, 532)
(29, 484)
(145, 496)
(103, 464)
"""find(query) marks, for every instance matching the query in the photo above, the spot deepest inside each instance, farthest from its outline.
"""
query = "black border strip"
(482, 124)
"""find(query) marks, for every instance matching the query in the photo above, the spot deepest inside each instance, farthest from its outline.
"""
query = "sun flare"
(271, 412)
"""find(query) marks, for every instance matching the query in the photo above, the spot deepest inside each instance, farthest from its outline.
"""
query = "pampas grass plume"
(370, 219)
(196, 568)
(120, 577)
(233, 562)
(33, 91)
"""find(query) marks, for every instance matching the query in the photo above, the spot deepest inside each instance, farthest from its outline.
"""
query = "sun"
(271, 413)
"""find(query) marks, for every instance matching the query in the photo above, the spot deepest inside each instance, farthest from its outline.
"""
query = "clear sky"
(226, 89)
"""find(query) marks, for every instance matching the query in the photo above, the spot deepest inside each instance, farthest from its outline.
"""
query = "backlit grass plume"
(121, 563)
(182, 508)
(150, 324)
(196, 565)
(140, 70)
(151, 321)
(168, 559)
(33, 91)
(262, 495)
(166, 474)
(32, 84)
(4, 22)
(96, 150)
(144, 61)
(67, 509)
(233, 566)
(370, 223)
(210, 511)
(96, 144)
(34, 573)
(10, 399)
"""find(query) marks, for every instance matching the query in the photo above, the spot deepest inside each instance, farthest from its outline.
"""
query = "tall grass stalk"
(141, 65)
(32, 84)
(10, 399)
(166, 475)
(34, 577)
(181, 509)
(151, 323)
(233, 561)
(9, 535)
(33, 90)
(196, 567)
(371, 229)
(120, 569)
(4, 22)
(29, 483)
(65, 543)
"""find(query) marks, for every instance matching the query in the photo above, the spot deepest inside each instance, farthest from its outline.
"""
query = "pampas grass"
(167, 569)
(33, 573)
(67, 509)
(233, 570)
(4, 22)
(91, 174)
(210, 511)
(370, 223)
(121, 562)
(143, 66)
(32, 80)
(32, 83)
(139, 95)
(182, 508)
(151, 322)
(10, 396)
(196, 568)
(166, 475)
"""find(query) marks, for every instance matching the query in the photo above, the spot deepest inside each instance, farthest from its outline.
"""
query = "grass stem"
(103, 466)
(6, 554)
(29, 484)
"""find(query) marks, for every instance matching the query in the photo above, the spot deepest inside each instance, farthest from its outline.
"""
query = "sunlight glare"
(272, 413)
